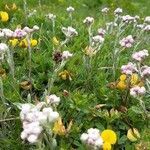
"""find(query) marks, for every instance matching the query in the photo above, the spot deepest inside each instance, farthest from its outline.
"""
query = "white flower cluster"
(105, 10)
(51, 16)
(70, 9)
(69, 32)
(139, 56)
(129, 68)
(34, 118)
(17, 33)
(3, 49)
(118, 11)
(88, 21)
(92, 139)
(127, 42)
(137, 91)
(52, 99)
(129, 19)
(66, 55)
(147, 19)
(101, 32)
(98, 39)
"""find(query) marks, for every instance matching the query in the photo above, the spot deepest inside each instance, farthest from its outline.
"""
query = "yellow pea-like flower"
(134, 79)
(133, 134)
(33, 42)
(4, 17)
(122, 85)
(123, 77)
(106, 146)
(55, 41)
(23, 43)
(14, 42)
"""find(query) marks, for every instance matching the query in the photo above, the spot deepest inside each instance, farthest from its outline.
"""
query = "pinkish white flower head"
(147, 28)
(70, 9)
(88, 21)
(137, 91)
(66, 55)
(3, 49)
(36, 28)
(101, 32)
(105, 10)
(92, 139)
(139, 56)
(147, 19)
(51, 16)
(145, 71)
(128, 19)
(19, 33)
(52, 99)
(98, 39)
(7, 33)
(1, 34)
(69, 32)
(118, 11)
(140, 26)
(27, 30)
(129, 68)
(127, 42)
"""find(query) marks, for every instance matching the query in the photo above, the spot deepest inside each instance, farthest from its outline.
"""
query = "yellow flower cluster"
(12, 7)
(109, 137)
(124, 82)
(4, 17)
(23, 43)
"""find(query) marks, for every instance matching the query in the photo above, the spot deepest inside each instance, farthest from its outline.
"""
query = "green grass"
(87, 89)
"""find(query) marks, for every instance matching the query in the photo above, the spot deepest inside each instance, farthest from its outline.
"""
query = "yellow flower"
(106, 146)
(122, 85)
(133, 134)
(65, 75)
(109, 136)
(134, 79)
(33, 42)
(23, 43)
(55, 41)
(123, 77)
(4, 17)
(59, 128)
(14, 42)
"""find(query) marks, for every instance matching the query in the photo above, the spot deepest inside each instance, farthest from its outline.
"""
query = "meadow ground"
(83, 67)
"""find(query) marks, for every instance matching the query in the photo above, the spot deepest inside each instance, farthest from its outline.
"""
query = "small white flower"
(7, 32)
(1, 34)
(53, 116)
(23, 135)
(101, 32)
(19, 33)
(66, 54)
(140, 26)
(27, 30)
(69, 32)
(52, 99)
(98, 39)
(88, 21)
(32, 138)
(147, 19)
(105, 10)
(118, 11)
(128, 19)
(70, 9)
(51, 16)
(147, 28)
(84, 137)
(3, 47)
(145, 71)
(35, 27)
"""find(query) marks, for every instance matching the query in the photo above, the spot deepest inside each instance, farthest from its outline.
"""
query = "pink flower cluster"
(129, 68)
(127, 41)
(145, 71)
(137, 91)
(139, 56)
